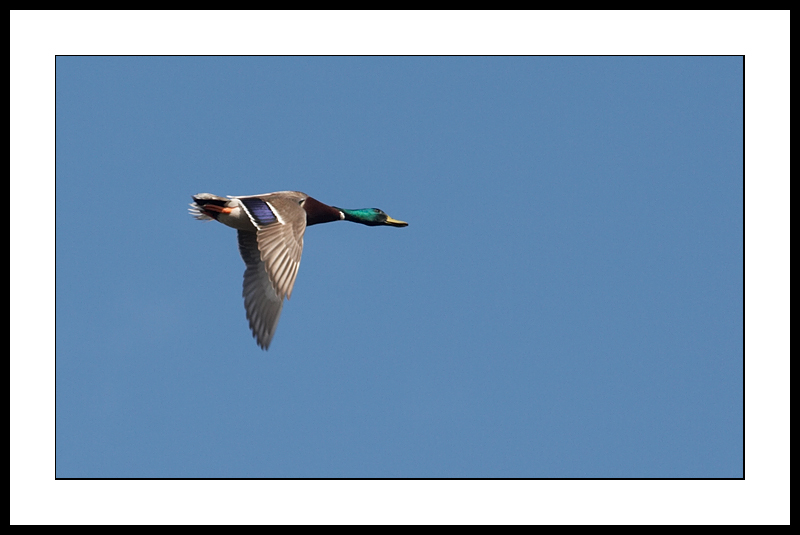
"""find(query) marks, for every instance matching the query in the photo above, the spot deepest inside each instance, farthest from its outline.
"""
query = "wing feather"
(272, 256)
(262, 304)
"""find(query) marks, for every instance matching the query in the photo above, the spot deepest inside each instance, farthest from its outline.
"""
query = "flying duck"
(270, 229)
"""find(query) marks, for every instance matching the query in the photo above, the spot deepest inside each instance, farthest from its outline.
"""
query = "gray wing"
(281, 243)
(272, 255)
(262, 303)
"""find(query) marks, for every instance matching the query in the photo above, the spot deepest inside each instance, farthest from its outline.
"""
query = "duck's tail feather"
(197, 208)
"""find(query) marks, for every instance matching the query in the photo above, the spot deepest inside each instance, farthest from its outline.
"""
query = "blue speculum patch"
(259, 210)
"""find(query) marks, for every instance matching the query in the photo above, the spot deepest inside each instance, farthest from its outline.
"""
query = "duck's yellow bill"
(395, 222)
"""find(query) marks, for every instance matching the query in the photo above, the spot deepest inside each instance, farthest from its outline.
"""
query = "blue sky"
(567, 300)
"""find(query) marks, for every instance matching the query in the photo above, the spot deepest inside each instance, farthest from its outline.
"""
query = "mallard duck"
(271, 228)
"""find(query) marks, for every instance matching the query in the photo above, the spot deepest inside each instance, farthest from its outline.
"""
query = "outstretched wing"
(262, 304)
(272, 256)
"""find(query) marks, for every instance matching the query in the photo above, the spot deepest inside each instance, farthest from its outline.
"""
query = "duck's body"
(270, 229)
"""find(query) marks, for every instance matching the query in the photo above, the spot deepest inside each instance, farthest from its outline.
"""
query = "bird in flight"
(270, 229)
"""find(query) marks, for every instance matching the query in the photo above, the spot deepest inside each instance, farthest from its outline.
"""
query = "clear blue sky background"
(567, 300)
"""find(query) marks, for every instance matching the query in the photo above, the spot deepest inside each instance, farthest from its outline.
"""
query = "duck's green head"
(372, 217)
